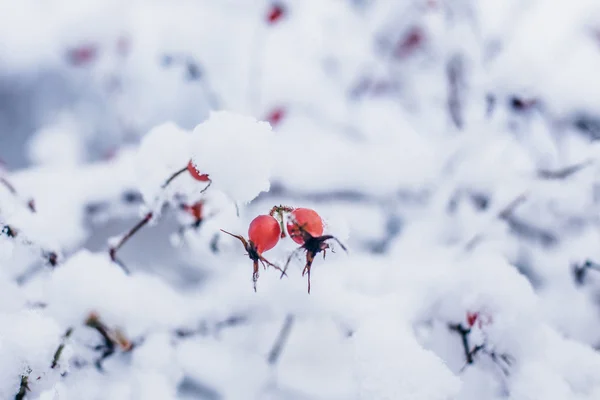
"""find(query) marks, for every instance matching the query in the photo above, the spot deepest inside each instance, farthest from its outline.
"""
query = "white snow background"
(451, 145)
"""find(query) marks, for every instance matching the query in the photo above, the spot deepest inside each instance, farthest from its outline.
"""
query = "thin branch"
(50, 256)
(172, 177)
(60, 348)
(8, 185)
(282, 338)
(113, 250)
(23, 388)
(580, 270)
(13, 191)
(454, 73)
(464, 335)
(111, 339)
(564, 172)
(503, 214)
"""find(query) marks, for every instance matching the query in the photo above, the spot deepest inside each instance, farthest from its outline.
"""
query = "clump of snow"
(390, 364)
(89, 282)
(28, 341)
(58, 145)
(162, 152)
(236, 152)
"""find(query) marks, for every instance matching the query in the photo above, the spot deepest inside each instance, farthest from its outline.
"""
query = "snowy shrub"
(317, 199)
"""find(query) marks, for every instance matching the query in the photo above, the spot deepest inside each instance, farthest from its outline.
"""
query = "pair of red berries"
(304, 226)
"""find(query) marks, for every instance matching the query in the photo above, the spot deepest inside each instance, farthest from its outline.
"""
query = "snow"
(435, 139)
(235, 151)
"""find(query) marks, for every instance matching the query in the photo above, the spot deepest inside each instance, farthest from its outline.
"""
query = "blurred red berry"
(197, 175)
(123, 46)
(82, 55)
(276, 115)
(471, 318)
(264, 232)
(413, 39)
(276, 12)
(304, 220)
(195, 210)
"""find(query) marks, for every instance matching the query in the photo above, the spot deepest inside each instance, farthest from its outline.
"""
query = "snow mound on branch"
(390, 364)
(235, 151)
(28, 341)
(162, 152)
(90, 282)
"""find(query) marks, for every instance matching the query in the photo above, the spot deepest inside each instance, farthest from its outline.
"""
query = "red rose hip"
(264, 232)
(197, 175)
(304, 219)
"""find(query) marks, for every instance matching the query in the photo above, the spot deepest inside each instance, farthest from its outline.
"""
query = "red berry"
(275, 13)
(82, 55)
(472, 318)
(195, 210)
(276, 115)
(264, 232)
(197, 175)
(413, 39)
(304, 219)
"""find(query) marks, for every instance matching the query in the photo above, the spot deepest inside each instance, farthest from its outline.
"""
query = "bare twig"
(464, 334)
(580, 270)
(503, 214)
(113, 250)
(50, 256)
(175, 175)
(30, 203)
(60, 348)
(455, 72)
(284, 333)
(111, 339)
(563, 173)
(481, 348)
(23, 388)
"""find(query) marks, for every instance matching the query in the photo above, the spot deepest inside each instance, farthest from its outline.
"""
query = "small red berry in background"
(479, 318)
(264, 232)
(197, 175)
(275, 116)
(471, 318)
(410, 42)
(304, 220)
(195, 210)
(82, 55)
(123, 46)
(276, 12)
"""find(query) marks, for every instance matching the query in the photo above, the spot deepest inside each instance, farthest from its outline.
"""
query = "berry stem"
(175, 175)
(277, 213)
